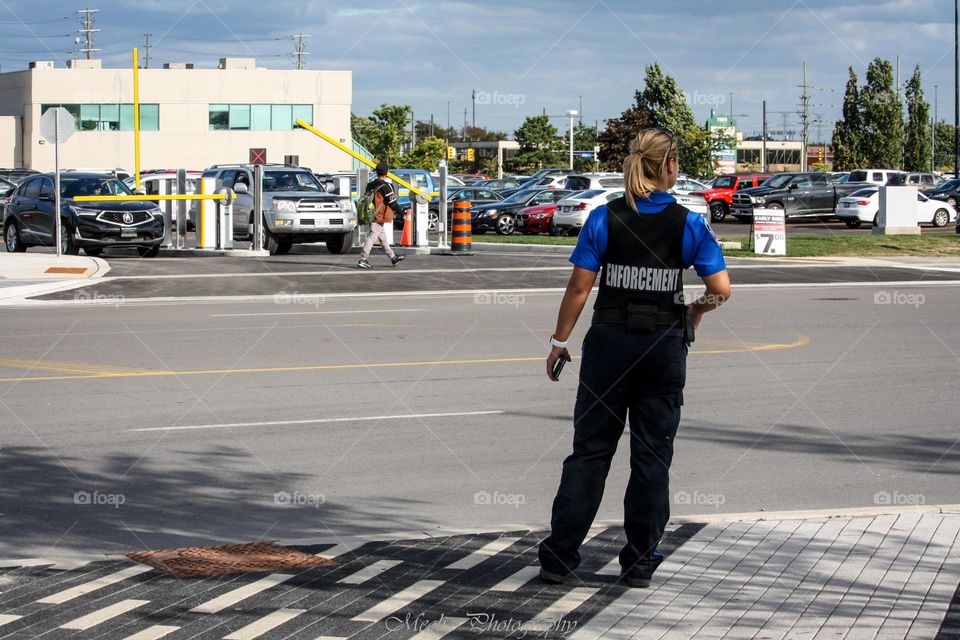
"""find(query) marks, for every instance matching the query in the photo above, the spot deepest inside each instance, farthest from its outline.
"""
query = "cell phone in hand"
(558, 366)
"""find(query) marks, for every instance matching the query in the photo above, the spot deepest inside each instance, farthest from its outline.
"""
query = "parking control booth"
(898, 213)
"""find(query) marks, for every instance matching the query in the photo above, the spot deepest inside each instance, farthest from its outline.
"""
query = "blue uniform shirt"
(701, 249)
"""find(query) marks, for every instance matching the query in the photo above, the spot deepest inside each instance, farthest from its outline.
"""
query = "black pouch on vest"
(641, 318)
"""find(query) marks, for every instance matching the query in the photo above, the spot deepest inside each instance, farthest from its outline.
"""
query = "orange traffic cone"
(406, 240)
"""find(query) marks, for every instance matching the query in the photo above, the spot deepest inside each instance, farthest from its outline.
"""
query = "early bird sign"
(57, 123)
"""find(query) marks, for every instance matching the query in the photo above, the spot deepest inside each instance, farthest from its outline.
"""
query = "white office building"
(189, 118)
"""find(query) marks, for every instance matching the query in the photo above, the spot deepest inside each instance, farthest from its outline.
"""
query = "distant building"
(782, 155)
(189, 118)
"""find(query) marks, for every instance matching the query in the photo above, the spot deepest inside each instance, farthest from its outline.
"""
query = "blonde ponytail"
(647, 162)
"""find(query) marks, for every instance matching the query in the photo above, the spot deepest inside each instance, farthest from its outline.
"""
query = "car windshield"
(725, 182)
(520, 196)
(777, 182)
(290, 181)
(863, 193)
(72, 187)
(950, 184)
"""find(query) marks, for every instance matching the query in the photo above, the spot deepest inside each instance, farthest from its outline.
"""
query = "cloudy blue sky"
(525, 57)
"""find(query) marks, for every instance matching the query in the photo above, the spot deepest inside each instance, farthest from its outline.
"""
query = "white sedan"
(572, 211)
(864, 206)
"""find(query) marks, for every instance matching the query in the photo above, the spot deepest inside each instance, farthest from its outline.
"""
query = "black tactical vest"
(643, 263)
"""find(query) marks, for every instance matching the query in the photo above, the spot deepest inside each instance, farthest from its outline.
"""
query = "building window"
(258, 117)
(110, 117)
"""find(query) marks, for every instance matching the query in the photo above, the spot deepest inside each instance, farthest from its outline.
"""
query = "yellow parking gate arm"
(138, 198)
(347, 150)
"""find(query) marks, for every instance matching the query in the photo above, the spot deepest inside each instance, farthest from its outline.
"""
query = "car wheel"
(774, 206)
(149, 252)
(284, 246)
(433, 220)
(718, 211)
(941, 218)
(268, 240)
(506, 225)
(853, 224)
(953, 202)
(93, 252)
(67, 246)
(11, 238)
(340, 244)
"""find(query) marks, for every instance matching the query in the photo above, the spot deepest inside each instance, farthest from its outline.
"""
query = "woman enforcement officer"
(634, 355)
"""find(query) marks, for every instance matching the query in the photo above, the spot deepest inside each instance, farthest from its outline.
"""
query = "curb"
(74, 561)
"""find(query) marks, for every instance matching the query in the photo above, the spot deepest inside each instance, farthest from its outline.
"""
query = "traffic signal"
(451, 153)
(820, 154)
(470, 155)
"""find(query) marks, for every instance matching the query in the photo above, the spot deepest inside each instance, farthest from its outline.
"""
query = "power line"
(30, 24)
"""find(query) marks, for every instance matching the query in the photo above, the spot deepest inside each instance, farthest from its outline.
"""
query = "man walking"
(385, 207)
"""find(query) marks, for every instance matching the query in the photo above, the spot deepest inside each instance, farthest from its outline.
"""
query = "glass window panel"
(126, 117)
(239, 116)
(89, 117)
(219, 117)
(303, 112)
(260, 117)
(281, 117)
(110, 117)
(150, 117)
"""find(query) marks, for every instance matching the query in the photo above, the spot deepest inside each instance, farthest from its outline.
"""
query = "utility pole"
(956, 88)
(431, 126)
(464, 124)
(763, 151)
(805, 117)
(448, 121)
(731, 107)
(146, 52)
(300, 52)
(413, 130)
(936, 119)
(473, 97)
(86, 15)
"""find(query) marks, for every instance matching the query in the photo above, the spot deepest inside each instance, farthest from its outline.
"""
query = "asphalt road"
(135, 424)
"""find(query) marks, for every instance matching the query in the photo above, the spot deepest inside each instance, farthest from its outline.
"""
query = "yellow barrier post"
(356, 155)
(136, 115)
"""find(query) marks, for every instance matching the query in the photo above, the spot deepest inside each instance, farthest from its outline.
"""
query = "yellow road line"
(67, 367)
(200, 330)
(800, 342)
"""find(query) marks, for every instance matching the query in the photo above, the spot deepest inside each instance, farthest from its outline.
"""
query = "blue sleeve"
(701, 248)
(592, 243)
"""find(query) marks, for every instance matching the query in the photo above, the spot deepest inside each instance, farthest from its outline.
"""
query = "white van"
(593, 181)
(876, 176)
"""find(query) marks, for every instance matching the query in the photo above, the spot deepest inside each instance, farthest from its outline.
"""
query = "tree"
(943, 155)
(847, 141)
(584, 139)
(385, 132)
(539, 145)
(918, 146)
(426, 155)
(615, 138)
(662, 98)
(882, 118)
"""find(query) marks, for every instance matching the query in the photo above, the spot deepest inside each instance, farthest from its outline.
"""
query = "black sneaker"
(397, 259)
(635, 582)
(363, 264)
(547, 577)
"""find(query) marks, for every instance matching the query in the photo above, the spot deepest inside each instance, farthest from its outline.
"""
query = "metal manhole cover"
(189, 562)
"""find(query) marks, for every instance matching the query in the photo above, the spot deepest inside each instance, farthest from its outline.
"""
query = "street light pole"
(572, 114)
(956, 88)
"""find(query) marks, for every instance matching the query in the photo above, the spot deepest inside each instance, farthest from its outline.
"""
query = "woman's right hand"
(555, 354)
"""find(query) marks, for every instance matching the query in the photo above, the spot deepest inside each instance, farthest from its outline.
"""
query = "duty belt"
(619, 316)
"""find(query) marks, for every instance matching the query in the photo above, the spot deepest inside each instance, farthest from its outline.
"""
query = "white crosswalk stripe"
(6, 618)
(239, 594)
(552, 617)
(517, 580)
(155, 632)
(486, 551)
(94, 585)
(268, 622)
(398, 601)
(371, 572)
(102, 615)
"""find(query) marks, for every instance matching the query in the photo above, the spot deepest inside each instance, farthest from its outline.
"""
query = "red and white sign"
(769, 232)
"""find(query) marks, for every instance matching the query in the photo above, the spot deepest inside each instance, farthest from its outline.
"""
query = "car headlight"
(346, 206)
(93, 213)
(492, 213)
(285, 205)
(758, 199)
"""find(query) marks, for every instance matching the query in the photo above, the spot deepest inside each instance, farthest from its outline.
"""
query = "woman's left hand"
(555, 354)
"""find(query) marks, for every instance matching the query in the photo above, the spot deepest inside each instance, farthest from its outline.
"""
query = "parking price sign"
(769, 232)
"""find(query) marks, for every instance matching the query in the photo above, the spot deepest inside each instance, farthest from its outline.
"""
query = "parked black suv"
(91, 226)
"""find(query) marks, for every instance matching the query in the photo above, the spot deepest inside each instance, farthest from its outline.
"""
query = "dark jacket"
(385, 204)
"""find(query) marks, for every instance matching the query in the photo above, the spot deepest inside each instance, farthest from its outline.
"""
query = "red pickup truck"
(720, 197)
